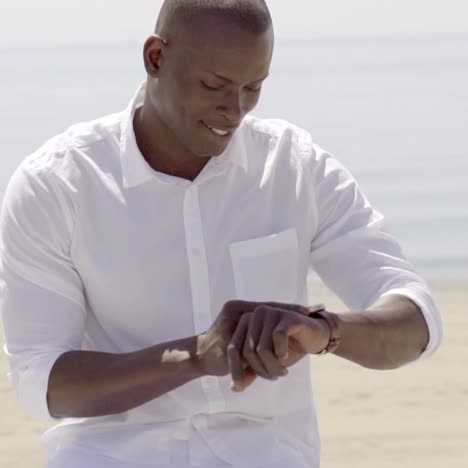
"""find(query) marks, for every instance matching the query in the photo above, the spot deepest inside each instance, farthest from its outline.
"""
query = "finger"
(249, 351)
(280, 339)
(249, 376)
(234, 350)
(266, 351)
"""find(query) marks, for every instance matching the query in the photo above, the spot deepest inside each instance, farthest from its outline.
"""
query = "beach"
(410, 417)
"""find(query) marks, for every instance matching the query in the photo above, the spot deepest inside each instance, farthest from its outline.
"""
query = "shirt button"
(196, 252)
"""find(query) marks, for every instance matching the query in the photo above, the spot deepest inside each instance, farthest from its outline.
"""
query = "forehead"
(222, 46)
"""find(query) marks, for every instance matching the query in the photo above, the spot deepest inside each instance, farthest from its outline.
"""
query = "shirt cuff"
(422, 297)
(31, 383)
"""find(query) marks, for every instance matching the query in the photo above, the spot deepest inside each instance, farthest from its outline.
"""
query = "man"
(154, 266)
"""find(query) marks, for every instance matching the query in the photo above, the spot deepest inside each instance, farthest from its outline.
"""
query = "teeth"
(219, 132)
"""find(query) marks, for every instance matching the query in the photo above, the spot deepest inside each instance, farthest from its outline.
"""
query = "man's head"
(206, 64)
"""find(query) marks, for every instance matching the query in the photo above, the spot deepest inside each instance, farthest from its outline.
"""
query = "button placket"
(197, 261)
(199, 278)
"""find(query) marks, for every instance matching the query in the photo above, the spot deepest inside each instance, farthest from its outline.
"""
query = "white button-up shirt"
(100, 252)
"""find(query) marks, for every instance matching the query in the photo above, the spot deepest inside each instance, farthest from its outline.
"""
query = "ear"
(153, 54)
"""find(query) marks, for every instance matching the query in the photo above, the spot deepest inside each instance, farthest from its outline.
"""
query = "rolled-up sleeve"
(354, 254)
(41, 294)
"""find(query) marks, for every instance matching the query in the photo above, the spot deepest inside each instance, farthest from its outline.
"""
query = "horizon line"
(133, 42)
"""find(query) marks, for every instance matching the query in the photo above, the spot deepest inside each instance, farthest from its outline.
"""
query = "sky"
(59, 22)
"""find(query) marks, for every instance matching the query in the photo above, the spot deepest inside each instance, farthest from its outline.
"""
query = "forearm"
(90, 384)
(390, 334)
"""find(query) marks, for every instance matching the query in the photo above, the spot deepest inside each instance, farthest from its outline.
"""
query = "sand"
(414, 417)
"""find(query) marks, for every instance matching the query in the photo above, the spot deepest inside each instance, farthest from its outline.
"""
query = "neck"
(160, 147)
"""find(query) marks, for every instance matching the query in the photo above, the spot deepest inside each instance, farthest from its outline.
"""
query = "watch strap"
(319, 312)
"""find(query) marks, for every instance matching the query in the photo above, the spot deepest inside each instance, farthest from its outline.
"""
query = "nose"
(232, 107)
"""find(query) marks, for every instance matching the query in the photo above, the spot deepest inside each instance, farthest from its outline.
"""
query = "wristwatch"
(319, 311)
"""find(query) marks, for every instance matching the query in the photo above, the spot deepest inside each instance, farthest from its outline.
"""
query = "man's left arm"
(393, 317)
(391, 333)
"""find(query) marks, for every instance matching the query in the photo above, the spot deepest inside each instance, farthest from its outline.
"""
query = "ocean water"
(393, 110)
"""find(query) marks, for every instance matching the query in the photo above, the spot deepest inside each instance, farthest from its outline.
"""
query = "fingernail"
(235, 386)
(284, 371)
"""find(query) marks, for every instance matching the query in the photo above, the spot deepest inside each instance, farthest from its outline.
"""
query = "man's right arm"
(90, 384)
(54, 378)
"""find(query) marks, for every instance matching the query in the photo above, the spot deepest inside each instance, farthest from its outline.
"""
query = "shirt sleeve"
(354, 254)
(41, 302)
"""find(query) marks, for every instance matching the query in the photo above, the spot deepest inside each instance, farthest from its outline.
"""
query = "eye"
(254, 90)
(211, 88)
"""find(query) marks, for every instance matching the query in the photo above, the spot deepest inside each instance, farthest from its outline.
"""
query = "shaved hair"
(250, 15)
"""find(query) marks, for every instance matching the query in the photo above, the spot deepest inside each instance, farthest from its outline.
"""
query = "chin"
(206, 147)
(215, 154)
(211, 152)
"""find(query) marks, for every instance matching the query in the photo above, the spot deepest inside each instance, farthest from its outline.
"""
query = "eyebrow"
(230, 81)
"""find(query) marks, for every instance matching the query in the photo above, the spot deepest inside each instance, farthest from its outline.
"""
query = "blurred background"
(384, 87)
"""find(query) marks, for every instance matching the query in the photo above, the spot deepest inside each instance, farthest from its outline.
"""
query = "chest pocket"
(267, 268)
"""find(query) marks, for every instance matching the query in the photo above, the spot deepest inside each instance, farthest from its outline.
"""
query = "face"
(207, 82)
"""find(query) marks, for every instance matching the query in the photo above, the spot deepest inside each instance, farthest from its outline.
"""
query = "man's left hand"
(272, 338)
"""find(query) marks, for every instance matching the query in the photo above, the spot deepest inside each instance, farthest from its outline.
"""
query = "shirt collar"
(136, 170)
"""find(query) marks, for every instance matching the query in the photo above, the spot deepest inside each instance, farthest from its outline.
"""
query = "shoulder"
(68, 152)
(52, 173)
(288, 141)
(274, 130)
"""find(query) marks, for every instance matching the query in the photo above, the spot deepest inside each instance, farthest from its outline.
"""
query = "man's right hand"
(212, 346)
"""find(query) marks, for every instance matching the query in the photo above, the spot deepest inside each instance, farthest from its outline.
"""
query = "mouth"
(218, 131)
